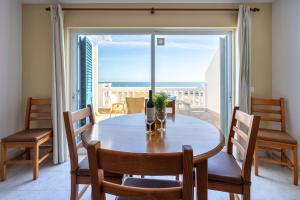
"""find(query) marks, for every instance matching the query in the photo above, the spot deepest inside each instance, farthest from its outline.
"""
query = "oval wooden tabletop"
(128, 133)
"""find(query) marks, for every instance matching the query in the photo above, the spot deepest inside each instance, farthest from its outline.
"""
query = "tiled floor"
(54, 184)
(203, 114)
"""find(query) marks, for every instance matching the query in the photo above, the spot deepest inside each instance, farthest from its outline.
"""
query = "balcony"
(190, 101)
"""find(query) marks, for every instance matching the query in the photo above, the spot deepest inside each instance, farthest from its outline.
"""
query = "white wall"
(212, 79)
(286, 60)
(10, 67)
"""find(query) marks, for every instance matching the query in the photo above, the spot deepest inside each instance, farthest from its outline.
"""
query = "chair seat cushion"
(224, 168)
(30, 135)
(275, 136)
(148, 183)
(83, 170)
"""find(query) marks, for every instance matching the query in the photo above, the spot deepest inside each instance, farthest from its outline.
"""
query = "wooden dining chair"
(135, 104)
(273, 111)
(33, 137)
(141, 163)
(77, 123)
(224, 173)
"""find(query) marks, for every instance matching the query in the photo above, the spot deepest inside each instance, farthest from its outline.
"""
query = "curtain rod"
(153, 10)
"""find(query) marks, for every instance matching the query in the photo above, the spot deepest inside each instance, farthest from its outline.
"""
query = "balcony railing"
(186, 97)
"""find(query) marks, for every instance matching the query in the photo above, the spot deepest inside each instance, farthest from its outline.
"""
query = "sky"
(183, 58)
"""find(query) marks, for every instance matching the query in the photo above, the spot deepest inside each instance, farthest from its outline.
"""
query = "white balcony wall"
(212, 78)
(186, 97)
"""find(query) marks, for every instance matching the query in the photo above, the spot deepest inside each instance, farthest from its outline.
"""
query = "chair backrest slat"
(241, 133)
(266, 111)
(154, 164)
(38, 110)
(270, 119)
(45, 101)
(82, 114)
(40, 118)
(146, 164)
(83, 129)
(246, 126)
(239, 146)
(44, 110)
(270, 110)
(265, 102)
(75, 118)
(243, 118)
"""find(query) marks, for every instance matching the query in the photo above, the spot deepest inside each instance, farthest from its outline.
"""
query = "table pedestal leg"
(202, 178)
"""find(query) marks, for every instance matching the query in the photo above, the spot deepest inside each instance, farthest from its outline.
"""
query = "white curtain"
(244, 57)
(58, 85)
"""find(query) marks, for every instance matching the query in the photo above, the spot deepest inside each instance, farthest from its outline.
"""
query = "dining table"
(127, 133)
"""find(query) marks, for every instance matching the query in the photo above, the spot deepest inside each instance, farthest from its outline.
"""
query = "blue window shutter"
(86, 75)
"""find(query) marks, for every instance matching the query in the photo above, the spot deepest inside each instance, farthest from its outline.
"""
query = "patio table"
(128, 133)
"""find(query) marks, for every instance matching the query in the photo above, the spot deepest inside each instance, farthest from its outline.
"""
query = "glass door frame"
(230, 52)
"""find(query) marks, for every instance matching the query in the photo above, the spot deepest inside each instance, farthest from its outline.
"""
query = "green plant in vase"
(160, 102)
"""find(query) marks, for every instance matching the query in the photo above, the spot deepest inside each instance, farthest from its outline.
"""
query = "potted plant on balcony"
(160, 102)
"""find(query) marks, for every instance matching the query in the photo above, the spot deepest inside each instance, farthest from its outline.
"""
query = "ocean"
(157, 84)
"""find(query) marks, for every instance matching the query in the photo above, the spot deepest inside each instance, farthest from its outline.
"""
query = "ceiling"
(145, 1)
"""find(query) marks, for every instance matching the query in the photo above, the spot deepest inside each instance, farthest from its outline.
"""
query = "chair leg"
(256, 160)
(103, 197)
(246, 192)
(295, 165)
(36, 161)
(231, 196)
(28, 157)
(3, 166)
(74, 188)
(282, 156)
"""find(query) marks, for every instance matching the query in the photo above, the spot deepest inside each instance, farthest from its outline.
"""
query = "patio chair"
(273, 111)
(37, 110)
(141, 163)
(172, 105)
(224, 173)
(135, 104)
(117, 107)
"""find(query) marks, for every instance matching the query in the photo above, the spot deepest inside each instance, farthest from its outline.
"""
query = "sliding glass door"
(194, 67)
(194, 70)
(124, 64)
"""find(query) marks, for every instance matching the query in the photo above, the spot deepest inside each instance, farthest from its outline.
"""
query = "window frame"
(230, 49)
